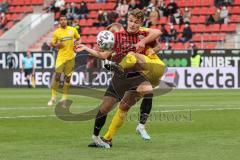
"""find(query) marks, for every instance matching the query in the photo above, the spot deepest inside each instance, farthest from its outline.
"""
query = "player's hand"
(80, 47)
(140, 46)
(60, 45)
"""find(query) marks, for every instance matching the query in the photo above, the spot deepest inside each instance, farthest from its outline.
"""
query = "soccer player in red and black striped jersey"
(129, 43)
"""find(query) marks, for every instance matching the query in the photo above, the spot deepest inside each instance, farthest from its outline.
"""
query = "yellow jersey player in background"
(63, 39)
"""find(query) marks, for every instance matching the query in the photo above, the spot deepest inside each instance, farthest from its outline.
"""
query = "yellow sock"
(33, 82)
(116, 123)
(66, 87)
(128, 61)
(54, 86)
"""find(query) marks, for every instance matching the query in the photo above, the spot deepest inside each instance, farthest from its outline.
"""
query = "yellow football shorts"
(153, 69)
(66, 67)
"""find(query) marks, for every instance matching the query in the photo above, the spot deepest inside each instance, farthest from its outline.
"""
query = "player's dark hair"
(63, 15)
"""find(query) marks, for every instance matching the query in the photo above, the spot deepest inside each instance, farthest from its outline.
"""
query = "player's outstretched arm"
(98, 54)
(152, 36)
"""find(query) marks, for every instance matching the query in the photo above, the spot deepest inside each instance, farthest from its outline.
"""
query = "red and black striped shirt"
(126, 42)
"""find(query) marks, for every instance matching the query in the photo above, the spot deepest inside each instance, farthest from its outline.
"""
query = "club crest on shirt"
(70, 33)
(141, 37)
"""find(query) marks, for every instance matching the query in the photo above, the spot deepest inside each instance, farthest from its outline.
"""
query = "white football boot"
(99, 142)
(142, 132)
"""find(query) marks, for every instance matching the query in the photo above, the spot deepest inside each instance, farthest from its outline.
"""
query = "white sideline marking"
(182, 110)
(85, 107)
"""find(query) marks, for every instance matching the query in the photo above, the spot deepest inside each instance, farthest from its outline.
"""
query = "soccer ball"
(105, 40)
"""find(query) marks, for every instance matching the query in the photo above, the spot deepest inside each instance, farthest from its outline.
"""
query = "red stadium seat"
(200, 28)
(9, 25)
(197, 38)
(101, 29)
(163, 20)
(195, 11)
(190, 3)
(11, 9)
(84, 39)
(237, 2)
(109, 6)
(93, 14)
(91, 39)
(211, 10)
(234, 10)
(179, 46)
(84, 22)
(198, 3)
(194, 19)
(27, 2)
(204, 11)
(228, 28)
(210, 46)
(93, 30)
(213, 28)
(234, 19)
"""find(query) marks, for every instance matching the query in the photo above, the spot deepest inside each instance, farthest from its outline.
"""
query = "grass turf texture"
(185, 124)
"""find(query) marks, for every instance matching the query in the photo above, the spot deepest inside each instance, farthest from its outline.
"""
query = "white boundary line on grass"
(85, 107)
(164, 111)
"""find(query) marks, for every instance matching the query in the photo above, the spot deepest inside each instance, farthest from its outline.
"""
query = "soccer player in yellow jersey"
(63, 39)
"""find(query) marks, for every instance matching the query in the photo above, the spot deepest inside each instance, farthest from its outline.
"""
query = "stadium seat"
(91, 39)
(211, 10)
(93, 30)
(209, 46)
(27, 2)
(237, 2)
(109, 6)
(163, 20)
(93, 14)
(101, 29)
(84, 39)
(197, 38)
(179, 46)
(203, 11)
(234, 10)
(9, 25)
(213, 28)
(195, 11)
(228, 28)
(234, 19)
(200, 28)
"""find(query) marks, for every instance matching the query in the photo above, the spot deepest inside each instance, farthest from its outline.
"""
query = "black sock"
(99, 122)
(145, 108)
(28, 82)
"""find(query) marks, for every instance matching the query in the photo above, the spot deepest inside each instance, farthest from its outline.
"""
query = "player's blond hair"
(139, 14)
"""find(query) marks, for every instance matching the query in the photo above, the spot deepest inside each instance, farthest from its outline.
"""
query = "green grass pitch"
(184, 125)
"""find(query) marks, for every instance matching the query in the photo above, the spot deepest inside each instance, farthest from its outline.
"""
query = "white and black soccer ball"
(105, 40)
